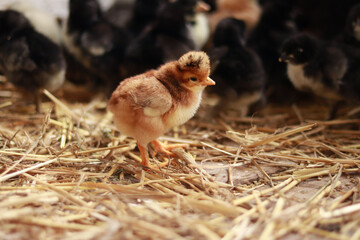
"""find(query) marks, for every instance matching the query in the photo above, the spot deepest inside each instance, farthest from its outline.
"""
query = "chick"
(274, 27)
(164, 40)
(328, 70)
(120, 12)
(147, 105)
(28, 59)
(95, 42)
(198, 21)
(43, 22)
(239, 72)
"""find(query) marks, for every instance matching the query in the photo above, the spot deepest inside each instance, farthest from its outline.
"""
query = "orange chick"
(145, 106)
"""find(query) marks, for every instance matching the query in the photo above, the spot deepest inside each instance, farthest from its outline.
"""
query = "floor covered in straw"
(284, 173)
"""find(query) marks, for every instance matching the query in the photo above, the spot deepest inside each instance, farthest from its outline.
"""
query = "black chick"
(28, 59)
(133, 15)
(143, 14)
(239, 73)
(95, 42)
(351, 33)
(166, 39)
(120, 12)
(328, 70)
(274, 27)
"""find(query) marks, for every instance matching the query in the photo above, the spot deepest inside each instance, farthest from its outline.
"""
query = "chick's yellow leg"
(146, 160)
(144, 155)
(163, 148)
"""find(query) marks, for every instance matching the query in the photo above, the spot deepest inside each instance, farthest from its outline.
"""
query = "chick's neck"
(169, 75)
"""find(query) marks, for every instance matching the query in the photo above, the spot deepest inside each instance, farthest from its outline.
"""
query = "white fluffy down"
(301, 82)
(42, 21)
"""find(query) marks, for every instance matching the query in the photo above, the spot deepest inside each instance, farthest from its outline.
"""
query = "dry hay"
(284, 173)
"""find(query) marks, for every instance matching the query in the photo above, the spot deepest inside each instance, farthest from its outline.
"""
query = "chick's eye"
(194, 79)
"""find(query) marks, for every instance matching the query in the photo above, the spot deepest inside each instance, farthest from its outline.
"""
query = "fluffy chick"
(147, 105)
(328, 70)
(95, 42)
(164, 40)
(198, 21)
(43, 22)
(28, 59)
(274, 27)
(239, 72)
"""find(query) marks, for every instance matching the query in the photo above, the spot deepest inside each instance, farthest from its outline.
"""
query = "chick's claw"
(146, 160)
(166, 149)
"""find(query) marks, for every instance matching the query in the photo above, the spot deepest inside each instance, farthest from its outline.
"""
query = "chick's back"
(139, 105)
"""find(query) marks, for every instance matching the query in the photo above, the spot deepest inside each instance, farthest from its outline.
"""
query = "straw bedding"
(284, 173)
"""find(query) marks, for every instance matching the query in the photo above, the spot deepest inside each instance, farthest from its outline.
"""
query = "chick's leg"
(146, 160)
(163, 148)
(144, 155)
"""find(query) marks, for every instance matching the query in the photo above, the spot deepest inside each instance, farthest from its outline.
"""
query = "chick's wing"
(146, 93)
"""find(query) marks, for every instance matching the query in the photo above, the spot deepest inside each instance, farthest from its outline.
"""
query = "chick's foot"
(166, 149)
(146, 160)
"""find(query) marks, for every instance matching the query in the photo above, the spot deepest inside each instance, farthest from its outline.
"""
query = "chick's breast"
(139, 104)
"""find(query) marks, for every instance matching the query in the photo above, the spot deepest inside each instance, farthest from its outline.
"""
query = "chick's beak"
(285, 58)
(208, 82)
(202, 7)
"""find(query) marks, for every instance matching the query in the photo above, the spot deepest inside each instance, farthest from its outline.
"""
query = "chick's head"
(84, 12)
(12, 21)
(299, 49)
(194, 68)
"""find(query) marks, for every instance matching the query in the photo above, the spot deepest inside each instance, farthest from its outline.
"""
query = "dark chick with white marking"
(328, 70)
(95, 42)
(274, 27)
(42, 20)
(239, 73)
(28, 59)
(166, 39)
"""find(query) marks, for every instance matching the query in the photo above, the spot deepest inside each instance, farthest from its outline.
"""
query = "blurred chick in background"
(325, 69)
(28, 59)
(94, 42)
(43, 22)
(136, 15)
(198, 22)
(266, 38)
(120, 12)
(147, 105)
(239, 73)
(166, 39)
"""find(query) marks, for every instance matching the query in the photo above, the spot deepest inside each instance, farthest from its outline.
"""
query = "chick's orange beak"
(202, 7)
(208, 82)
